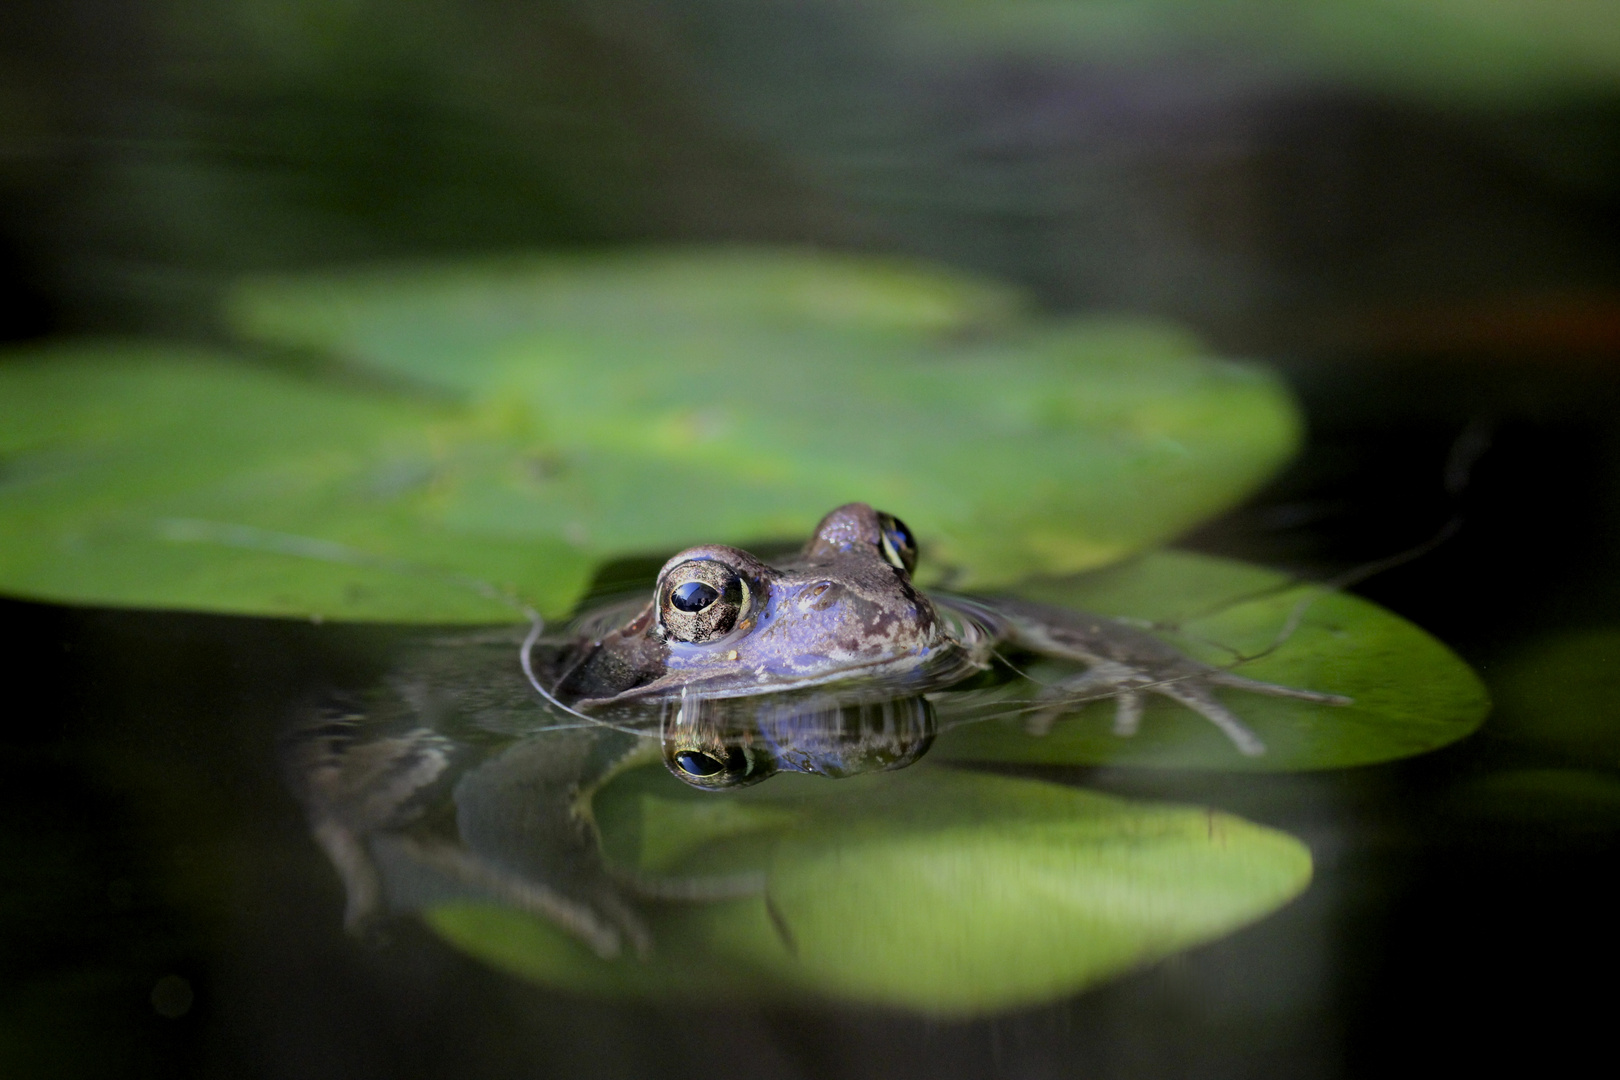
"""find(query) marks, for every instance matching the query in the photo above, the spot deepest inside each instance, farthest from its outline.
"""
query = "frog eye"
(714, 767)
(702, 600)
(896, 542)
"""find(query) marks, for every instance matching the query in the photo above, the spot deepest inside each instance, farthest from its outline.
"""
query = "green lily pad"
(932, 890)
(1410, 694)
(449, 324)
(792, 383)
(544, 417)
(154, 476)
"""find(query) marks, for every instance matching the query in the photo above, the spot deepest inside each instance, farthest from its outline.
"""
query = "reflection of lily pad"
(1411, 694)
(761, 389)
(931, 889)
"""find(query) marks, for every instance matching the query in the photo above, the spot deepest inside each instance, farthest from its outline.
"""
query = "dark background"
(1434, 272)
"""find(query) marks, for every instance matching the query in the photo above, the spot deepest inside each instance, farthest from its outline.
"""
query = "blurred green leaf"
(1410, 693)
(1464, 50)
(933, 890)
(456, 325)
(748, 392)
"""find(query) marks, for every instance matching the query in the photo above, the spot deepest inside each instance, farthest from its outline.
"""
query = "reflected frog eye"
(897, 543)
(697, 763)
(702, 600)
(714, 766)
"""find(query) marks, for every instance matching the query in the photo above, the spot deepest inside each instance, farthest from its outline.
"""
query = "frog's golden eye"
(702, 600)
(897, 543)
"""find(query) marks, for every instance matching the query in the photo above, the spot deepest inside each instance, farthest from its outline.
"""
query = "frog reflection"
(488, 805)
(713, 744)
(468, 775)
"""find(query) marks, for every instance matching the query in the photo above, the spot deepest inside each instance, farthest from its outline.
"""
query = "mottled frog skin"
(467, 774)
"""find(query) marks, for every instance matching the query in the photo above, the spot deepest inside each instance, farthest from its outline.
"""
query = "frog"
(470, 770)
(723, 624)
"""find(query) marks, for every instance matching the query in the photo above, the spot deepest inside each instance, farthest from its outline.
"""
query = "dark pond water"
(1416, 210)
(169, 914)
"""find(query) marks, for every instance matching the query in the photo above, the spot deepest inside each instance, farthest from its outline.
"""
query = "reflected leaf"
(1410, 694)
(932, 890)
(732, 395)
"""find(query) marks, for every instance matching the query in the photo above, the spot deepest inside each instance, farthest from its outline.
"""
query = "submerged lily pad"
(1410, 694)
(933, 890)
(744, 393)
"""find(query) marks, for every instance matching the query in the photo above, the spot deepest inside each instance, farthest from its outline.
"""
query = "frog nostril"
(820, 596)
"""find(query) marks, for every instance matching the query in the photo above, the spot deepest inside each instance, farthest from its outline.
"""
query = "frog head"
(722, 623)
